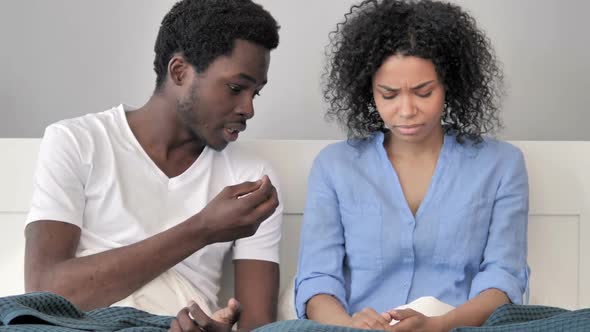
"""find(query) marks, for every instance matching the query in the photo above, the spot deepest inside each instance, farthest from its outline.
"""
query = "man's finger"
(230, 314)
(235, 309)
(244, 188)
(273, 200)
(174, 326)
(185, 322)
(199, 317)
(266, 208)
(259, 196)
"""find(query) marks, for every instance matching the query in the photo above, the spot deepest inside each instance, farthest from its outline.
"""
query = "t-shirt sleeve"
(58, 192)
(264, 244)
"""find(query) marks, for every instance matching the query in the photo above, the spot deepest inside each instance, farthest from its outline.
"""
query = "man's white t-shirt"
(93, 173)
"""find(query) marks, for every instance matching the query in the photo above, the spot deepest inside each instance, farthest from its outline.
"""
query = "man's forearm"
(257, 289)
(101, 279)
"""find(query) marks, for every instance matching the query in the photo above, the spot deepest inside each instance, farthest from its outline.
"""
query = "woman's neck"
(430, 146)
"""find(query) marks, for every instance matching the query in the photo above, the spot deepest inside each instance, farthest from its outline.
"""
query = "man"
(138, 207)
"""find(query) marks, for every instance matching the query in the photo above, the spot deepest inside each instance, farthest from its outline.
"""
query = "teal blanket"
(41, 312)
(508, 317)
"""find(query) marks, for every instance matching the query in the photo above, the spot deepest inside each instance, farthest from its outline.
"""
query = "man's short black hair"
(203, 30)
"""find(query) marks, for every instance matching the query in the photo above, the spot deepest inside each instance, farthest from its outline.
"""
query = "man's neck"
(157, 128)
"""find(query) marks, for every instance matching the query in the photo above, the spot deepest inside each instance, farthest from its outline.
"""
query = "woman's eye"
(256, 94)
(424, 95)
(389, 97)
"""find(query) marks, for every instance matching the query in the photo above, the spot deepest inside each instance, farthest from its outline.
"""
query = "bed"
(559, 224)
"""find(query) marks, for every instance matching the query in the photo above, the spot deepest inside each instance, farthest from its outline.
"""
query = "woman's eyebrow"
(417, 87)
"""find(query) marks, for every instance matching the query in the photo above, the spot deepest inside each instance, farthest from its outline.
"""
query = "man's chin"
(218, 146)
(215, 143)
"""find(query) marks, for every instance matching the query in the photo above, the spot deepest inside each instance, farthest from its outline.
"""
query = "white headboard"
(559, 224)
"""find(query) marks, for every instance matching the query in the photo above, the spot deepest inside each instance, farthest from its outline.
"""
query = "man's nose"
(246, 108)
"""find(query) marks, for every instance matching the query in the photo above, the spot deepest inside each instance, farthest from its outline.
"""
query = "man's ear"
(179, 70)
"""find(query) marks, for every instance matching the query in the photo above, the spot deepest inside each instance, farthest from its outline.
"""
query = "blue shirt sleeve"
(504, 264)
(321, 254)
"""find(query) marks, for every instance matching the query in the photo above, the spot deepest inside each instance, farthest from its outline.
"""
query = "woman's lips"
(408, 129)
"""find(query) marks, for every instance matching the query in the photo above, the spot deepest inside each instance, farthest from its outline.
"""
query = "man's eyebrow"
(417, 87)
(250, 78)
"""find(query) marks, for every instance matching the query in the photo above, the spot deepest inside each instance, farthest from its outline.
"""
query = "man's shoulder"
(243, 155)
(87, 124)
(243, 161)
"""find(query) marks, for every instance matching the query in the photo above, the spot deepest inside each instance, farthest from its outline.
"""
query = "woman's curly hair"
(440, 32)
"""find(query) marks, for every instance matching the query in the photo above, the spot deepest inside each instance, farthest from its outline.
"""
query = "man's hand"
(411, 320)
(192, 318)
(369, 319)
(238, 210)
(230, 314)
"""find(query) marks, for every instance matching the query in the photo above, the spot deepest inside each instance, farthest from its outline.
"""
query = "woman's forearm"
(475, 311)
(326, 309)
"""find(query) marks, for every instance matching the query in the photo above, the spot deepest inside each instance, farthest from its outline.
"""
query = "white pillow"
(286, 309)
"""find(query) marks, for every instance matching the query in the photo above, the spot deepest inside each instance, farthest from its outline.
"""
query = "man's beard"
(187, 116)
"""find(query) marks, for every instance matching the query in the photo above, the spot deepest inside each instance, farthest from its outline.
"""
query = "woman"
(417, 202)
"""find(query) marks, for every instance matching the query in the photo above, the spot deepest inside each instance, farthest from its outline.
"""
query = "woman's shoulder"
(346, 159)
(349, 149)
(491, 147)
(493, 152)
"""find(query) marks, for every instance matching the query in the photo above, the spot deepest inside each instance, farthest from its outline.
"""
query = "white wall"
(64, 58)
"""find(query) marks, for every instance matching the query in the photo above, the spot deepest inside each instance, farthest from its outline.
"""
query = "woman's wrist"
(445, 322)
(340, 319)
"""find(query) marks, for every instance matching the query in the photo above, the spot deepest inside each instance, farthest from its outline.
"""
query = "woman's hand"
(412, 320)
(371, 320)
